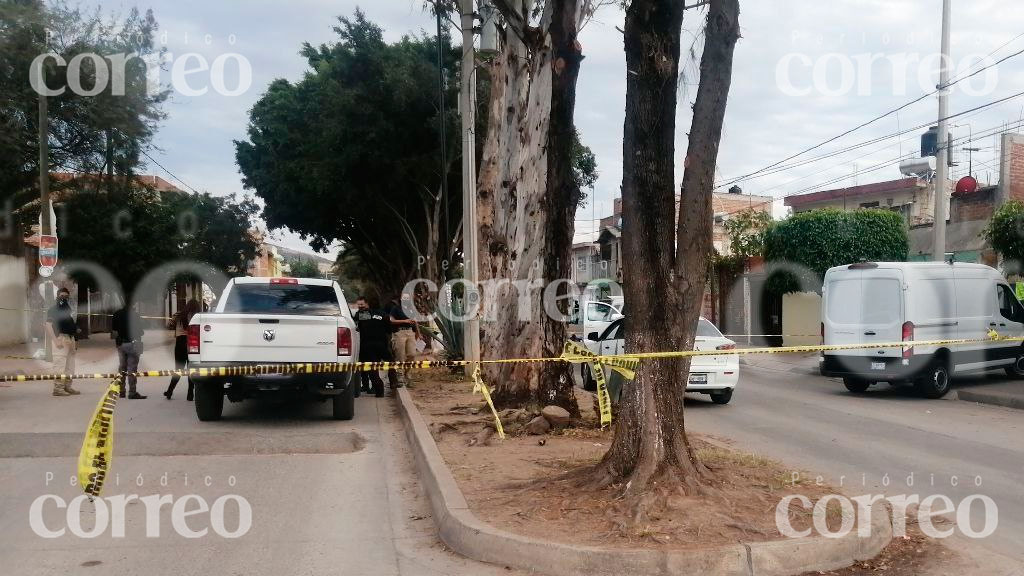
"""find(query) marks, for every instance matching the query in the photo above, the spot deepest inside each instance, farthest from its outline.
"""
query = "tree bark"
(665, 266)
(527, 198)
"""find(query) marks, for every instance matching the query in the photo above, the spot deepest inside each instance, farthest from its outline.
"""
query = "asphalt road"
(813, 423)
(326, 497)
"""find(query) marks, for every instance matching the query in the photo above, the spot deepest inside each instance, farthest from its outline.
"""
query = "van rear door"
(864, 305)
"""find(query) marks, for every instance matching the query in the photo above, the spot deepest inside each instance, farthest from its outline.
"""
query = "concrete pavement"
(326, 497)
(871, 444)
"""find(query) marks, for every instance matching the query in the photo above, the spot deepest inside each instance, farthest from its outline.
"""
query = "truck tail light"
(193, 339)
(726, 347)
(908, 336)
(344, 341)
(284, 280)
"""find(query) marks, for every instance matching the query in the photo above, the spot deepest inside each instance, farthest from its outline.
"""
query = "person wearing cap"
(63, 332)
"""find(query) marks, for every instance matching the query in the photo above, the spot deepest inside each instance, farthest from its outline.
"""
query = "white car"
(716, 375)
(274, 321)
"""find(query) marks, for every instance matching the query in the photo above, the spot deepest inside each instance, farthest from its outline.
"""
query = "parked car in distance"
(274, 321)
(716, 375)
(904, 301)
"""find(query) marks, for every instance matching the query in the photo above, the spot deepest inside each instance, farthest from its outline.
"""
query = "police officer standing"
(374, 330)
(63, 332)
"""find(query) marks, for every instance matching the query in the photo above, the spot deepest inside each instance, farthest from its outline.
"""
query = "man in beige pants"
(63, 333)
(406, 332)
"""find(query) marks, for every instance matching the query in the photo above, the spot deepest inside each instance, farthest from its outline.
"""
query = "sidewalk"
(805, 363)
(97, 354)
(1009, 394)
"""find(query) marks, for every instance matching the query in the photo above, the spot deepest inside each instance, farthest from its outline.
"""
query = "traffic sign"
(48, 251)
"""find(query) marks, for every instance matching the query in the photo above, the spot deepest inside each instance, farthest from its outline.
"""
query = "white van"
(902, 301)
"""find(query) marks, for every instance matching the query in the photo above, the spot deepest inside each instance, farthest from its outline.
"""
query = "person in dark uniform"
(374, 330)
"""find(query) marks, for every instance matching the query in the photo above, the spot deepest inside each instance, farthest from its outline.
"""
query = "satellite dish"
(966, 185)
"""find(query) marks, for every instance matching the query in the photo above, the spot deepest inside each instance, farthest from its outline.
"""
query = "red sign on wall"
(48, 251)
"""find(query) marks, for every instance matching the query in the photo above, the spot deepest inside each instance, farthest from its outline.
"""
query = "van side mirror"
(594, 336)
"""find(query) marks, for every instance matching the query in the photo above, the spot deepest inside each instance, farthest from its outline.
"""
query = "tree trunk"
(527, 199)
(665, 267)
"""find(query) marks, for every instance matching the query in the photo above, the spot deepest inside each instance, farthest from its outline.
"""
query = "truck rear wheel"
(209, 401)
(344, 404)
(722, 396)
(856, 386)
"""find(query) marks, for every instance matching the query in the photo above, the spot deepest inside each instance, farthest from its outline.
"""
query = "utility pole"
(467, 97)
(45, 223)
(942, 157)
(441, 130)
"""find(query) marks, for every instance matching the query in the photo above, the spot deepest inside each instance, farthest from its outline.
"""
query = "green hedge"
(1006, 232)
(821, 239)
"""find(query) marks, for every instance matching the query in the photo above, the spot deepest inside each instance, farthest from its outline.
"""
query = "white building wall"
(14, 299)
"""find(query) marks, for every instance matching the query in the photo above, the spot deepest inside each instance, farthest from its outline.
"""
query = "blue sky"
(765, 122)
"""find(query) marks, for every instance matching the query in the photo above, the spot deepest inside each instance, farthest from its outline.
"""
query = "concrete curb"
(1004, 400)
(466, 534)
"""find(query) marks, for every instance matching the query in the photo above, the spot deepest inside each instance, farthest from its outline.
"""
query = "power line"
(869, 122)
(171, 174)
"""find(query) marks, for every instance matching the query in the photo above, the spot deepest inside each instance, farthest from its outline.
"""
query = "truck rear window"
(297, 299)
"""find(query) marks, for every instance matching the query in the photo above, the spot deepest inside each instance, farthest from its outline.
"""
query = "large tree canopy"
(351, 153)
(87, 134)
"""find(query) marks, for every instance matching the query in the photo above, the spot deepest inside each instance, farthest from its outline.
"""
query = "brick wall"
(979, 205)
(1012, 167)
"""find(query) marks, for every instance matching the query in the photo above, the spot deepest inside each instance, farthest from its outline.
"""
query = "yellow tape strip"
(624, 364)
(479, 386)
(98, 447)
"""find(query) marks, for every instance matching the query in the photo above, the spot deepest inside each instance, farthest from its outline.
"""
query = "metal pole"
(45, 223)
(942, 157)
(441, 129)
(469, 225)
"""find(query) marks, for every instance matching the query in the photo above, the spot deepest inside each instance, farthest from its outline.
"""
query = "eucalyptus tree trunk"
(527, 199)
(665, 266)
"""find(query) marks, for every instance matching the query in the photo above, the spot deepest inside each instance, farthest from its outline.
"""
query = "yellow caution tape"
(98, 448)
(479, 386)
(574, 351)
(623, 363)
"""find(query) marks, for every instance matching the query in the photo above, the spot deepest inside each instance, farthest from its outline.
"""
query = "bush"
(820, 239)
(1006, 232)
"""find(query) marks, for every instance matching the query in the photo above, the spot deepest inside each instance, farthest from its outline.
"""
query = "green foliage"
(1006, 231)
(820, 239)
(102, 133)
(303, 268)
(746, 231)
(350, 153)
(131, 232)
(584, 166)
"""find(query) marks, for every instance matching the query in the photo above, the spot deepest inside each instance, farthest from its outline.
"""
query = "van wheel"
(589, 384)
(1017, 370)
(722, 396)
(935, 383)
(209, 400)
(856, 386)
(344, 404)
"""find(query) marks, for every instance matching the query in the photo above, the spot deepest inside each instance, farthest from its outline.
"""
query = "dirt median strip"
(468, 535)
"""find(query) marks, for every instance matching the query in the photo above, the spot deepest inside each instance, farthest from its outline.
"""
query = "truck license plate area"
(698, 378)
(878, 365)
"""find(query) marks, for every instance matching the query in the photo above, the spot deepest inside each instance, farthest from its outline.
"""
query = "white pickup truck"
(274, 321)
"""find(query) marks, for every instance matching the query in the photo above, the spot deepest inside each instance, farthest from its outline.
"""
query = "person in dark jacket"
(181, 321)
(126, 328)
(374, 328)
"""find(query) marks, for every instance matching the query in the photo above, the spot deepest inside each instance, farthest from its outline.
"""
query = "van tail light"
(822, 333)
(908, 336)
(344, 341)
(193, 339)
(726, 347)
